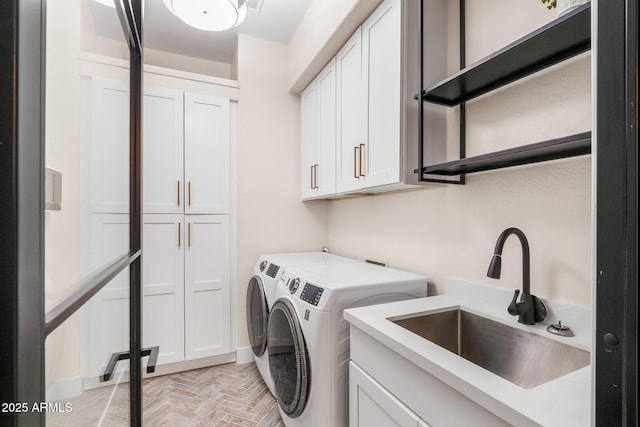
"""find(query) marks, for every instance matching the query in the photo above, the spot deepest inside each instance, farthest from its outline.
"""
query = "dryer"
(309, 338)
(261, 295)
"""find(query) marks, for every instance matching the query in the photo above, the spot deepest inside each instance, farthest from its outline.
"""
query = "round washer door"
(288, 359)
(257, 316)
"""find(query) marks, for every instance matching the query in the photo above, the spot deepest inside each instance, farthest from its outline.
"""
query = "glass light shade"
(209, 15)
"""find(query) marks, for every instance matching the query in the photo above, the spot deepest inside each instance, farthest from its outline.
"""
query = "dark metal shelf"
(557, 41)
(569, 146)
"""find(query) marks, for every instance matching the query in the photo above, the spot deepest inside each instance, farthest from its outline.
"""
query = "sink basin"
(523, 358)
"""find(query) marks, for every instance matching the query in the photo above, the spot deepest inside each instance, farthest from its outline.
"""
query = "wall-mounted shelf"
(557, 41)
(570, 146)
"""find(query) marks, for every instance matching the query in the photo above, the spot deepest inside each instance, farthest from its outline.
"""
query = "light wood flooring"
(225, 395)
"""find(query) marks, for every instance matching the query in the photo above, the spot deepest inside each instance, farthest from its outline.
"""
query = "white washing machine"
(261, 295)
(309, 338)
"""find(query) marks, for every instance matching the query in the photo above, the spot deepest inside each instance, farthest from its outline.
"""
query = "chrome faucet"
(530, 309)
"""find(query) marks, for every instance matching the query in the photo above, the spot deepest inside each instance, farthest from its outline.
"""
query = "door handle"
(361, 152)
(179, 239)
(152, 352)
(189, 234)
(355, 162)
(178, 192)
(189, 192)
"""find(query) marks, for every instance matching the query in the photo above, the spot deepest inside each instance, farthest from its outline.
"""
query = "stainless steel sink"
(523, 358)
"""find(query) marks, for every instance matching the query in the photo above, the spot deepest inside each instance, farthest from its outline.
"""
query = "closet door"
(162, 137)
(207, 155)
(163, 285)
(207, 287)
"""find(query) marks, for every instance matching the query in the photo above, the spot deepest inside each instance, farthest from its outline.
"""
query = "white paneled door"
(163, 285)
(382, 60)
(206, 154)
(207, 286)
(309, 135)
(163, 183)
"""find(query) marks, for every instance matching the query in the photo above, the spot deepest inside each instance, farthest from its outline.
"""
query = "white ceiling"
(276, 21)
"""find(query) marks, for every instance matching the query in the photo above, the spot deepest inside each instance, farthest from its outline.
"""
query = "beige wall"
(325, 27)
(452, 230)
(271, 217)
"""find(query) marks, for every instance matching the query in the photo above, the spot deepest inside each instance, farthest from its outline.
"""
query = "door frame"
(24, 326)
(615, 169)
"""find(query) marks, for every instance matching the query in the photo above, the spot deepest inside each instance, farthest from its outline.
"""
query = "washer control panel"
(311, 294)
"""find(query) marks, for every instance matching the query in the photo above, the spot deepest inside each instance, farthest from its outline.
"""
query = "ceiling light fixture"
(209, 15)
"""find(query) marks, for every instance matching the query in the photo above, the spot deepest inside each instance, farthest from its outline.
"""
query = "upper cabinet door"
(309, 136)
(206, 154)
(163, 181)
(382, 61)
(325, 167)
(109, 147)
(350, 114)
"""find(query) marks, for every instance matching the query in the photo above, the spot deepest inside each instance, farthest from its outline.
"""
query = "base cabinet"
(372, 405)
(207, 288)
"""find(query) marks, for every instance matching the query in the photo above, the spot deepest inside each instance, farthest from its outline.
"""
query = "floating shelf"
(557, 41)
(569, 146)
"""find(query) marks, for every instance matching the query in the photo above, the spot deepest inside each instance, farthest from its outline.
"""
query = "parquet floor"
(226, 395)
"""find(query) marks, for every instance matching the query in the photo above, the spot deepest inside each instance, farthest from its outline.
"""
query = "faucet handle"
(513, 308)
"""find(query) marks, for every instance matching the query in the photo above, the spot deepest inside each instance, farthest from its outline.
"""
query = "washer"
(261, 295)
(309, 338)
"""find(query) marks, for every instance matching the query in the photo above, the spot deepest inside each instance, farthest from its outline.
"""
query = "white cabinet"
(109, 146)
(186, 246)
(373, 405)
(350, 117)
(382, 65)
(162, 134)
(207, 287)
(186, 140)
(368, 111)
(318, 149)
(206, 154)
(186, 285)
(163, 285)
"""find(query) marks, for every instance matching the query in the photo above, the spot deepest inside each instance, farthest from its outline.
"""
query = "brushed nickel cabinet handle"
(189, 190)
(355, 162)
(178, 192)
(361, 151)
(189, 234)
(179, 239)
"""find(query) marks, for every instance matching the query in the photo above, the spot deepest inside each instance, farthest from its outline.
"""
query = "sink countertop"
(564, 401)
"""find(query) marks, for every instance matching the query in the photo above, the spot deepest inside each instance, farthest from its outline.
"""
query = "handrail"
(87, 288)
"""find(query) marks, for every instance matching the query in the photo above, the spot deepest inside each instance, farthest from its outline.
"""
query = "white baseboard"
(64, 388)
(244, 355)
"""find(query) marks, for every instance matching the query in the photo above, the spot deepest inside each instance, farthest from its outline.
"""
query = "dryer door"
(257, 316)
(288, 359)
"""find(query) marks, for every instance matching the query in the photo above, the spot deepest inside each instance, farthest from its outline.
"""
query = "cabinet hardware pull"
(178, 192)
(361, 151)
(179, 227)
(189, 234)
(315, 176)
(311, 177)
(355, 162)
(189, 193)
